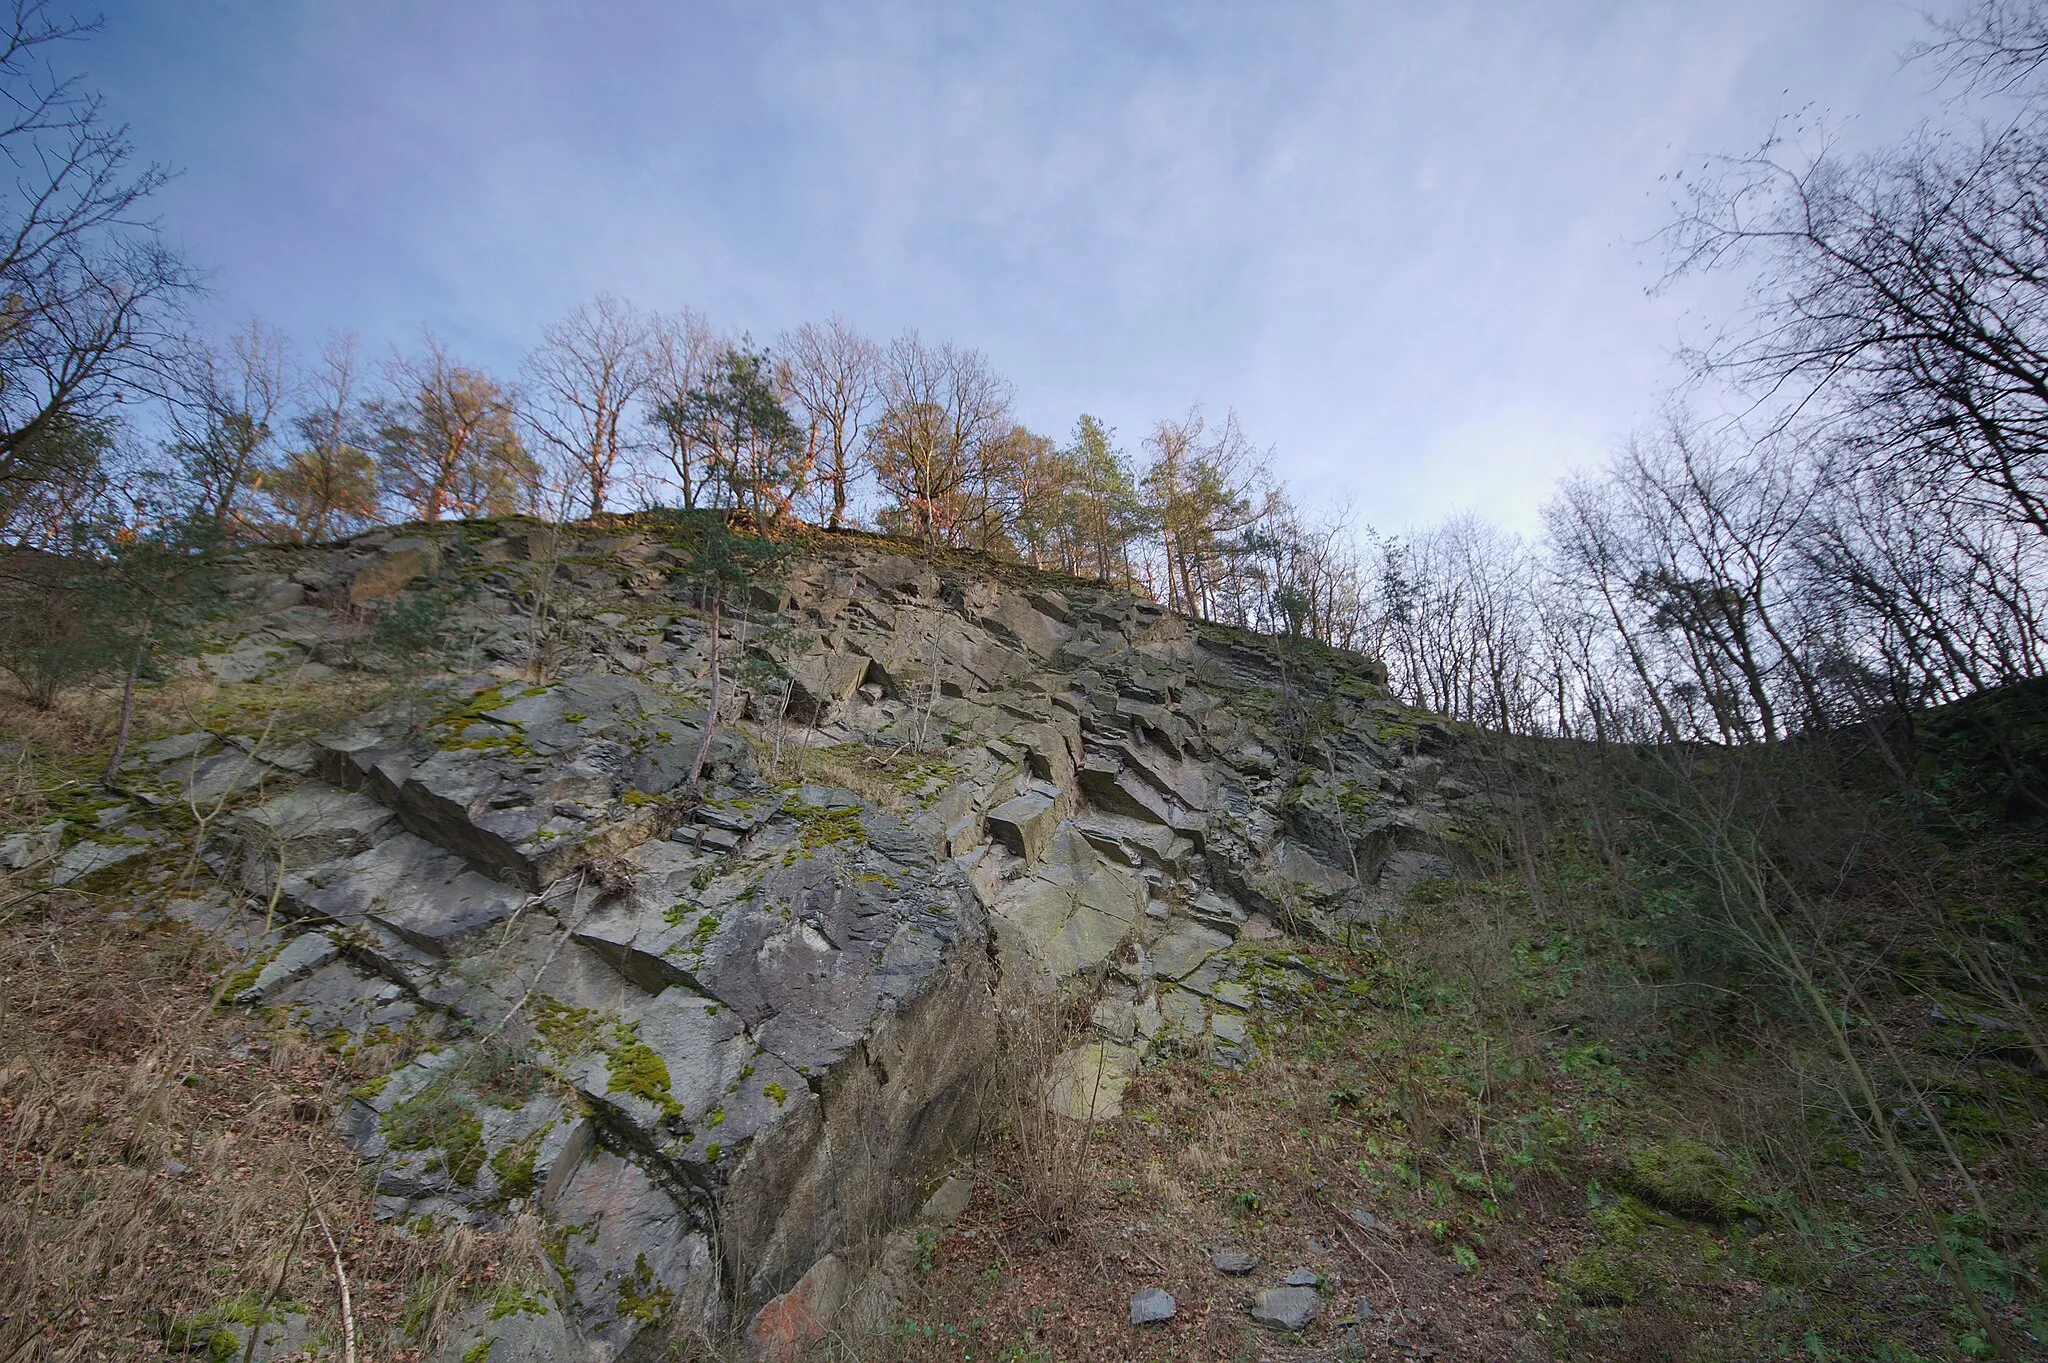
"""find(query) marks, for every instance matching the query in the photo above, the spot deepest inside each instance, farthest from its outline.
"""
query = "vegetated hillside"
(1693, 1069)
(1021, 949)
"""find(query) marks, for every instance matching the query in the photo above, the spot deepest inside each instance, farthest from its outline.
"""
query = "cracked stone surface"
(734, 1032)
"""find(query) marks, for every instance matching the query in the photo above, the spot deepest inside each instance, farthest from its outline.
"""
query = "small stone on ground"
(1286, 1308)
(1235, 1262)
(1151, 1306)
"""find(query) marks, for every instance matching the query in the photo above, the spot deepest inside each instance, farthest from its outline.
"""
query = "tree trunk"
(711, 713)
(111, 777)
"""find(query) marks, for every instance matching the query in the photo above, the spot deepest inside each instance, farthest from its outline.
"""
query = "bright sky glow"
(1409, 242)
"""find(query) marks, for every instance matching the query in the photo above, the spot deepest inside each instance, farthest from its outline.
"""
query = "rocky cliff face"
(725, 1046)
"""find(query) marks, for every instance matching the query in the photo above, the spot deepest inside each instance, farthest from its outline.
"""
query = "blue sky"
(1408, 242)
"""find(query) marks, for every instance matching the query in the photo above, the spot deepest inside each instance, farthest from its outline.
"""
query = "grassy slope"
(1587, 1121)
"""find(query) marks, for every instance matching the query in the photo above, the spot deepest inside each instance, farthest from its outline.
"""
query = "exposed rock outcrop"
(725, 1046)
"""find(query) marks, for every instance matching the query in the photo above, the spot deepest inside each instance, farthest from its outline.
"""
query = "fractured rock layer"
(724, 1044)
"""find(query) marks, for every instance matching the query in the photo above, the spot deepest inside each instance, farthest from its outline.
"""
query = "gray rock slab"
(1151, 1306)
(312, 823)
(301, 956)
(177, 747)
(1025, 824)
(1108, 785)
(425, 894)
(297, 758)
(1286, 1308)
(340, 997)
(248, 661)
(1070, 915)
(1234, 1262)
(205, 780)
(820, 683)
(1185, 947)
(1087, 1083)
(82, 859)
(634, 1261)
(33, 847)
(532, 1329)
(948, 1200)
(486, 776)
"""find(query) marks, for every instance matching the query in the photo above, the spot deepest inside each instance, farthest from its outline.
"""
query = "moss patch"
(637, 1069)
(568, 1030)
(1687, 1178)
(514, 1166)
(1623, 1267)
(439, 1118)
(643, 1299)
(822, 828)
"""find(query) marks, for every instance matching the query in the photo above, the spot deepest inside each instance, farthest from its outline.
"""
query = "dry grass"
(158, 1161)
(1206, 1159)
(161, 1160)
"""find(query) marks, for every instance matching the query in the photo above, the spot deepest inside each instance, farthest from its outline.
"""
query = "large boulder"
(532, 782)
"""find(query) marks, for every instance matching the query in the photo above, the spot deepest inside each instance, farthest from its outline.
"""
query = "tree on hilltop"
(326, 483)
(751, 450)
(225, 409)
(447, 440)
(588, 371)
(945, 407)
(834, 375)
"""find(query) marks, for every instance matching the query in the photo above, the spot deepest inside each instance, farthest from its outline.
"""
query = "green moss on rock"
(643, 1299)
(637, 1069)
(1621, 1268)
(567, 1029)
(439, 1118)
(1688, 1179)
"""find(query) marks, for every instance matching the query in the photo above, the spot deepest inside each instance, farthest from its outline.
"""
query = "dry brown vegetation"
(166, 1167)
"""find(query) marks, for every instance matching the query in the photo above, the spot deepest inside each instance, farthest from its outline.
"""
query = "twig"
(568, 931)
(1358, 1247)
(1478, 1117)
(284, 1267)
(348, 1314)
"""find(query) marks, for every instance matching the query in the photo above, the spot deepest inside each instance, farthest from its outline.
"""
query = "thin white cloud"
(1401, 239)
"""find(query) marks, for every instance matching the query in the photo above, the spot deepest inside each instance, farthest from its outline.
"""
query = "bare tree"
(683, 349)
(835, 375)
(1931, 598)
(1996, 46)
(224, 412)
(1591, 558)
(327, 482)
(1900, 298)
(447, 439)
(586, 374)
(91, 291)
(1461, 622)
(945, 406)
(1322, 585)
